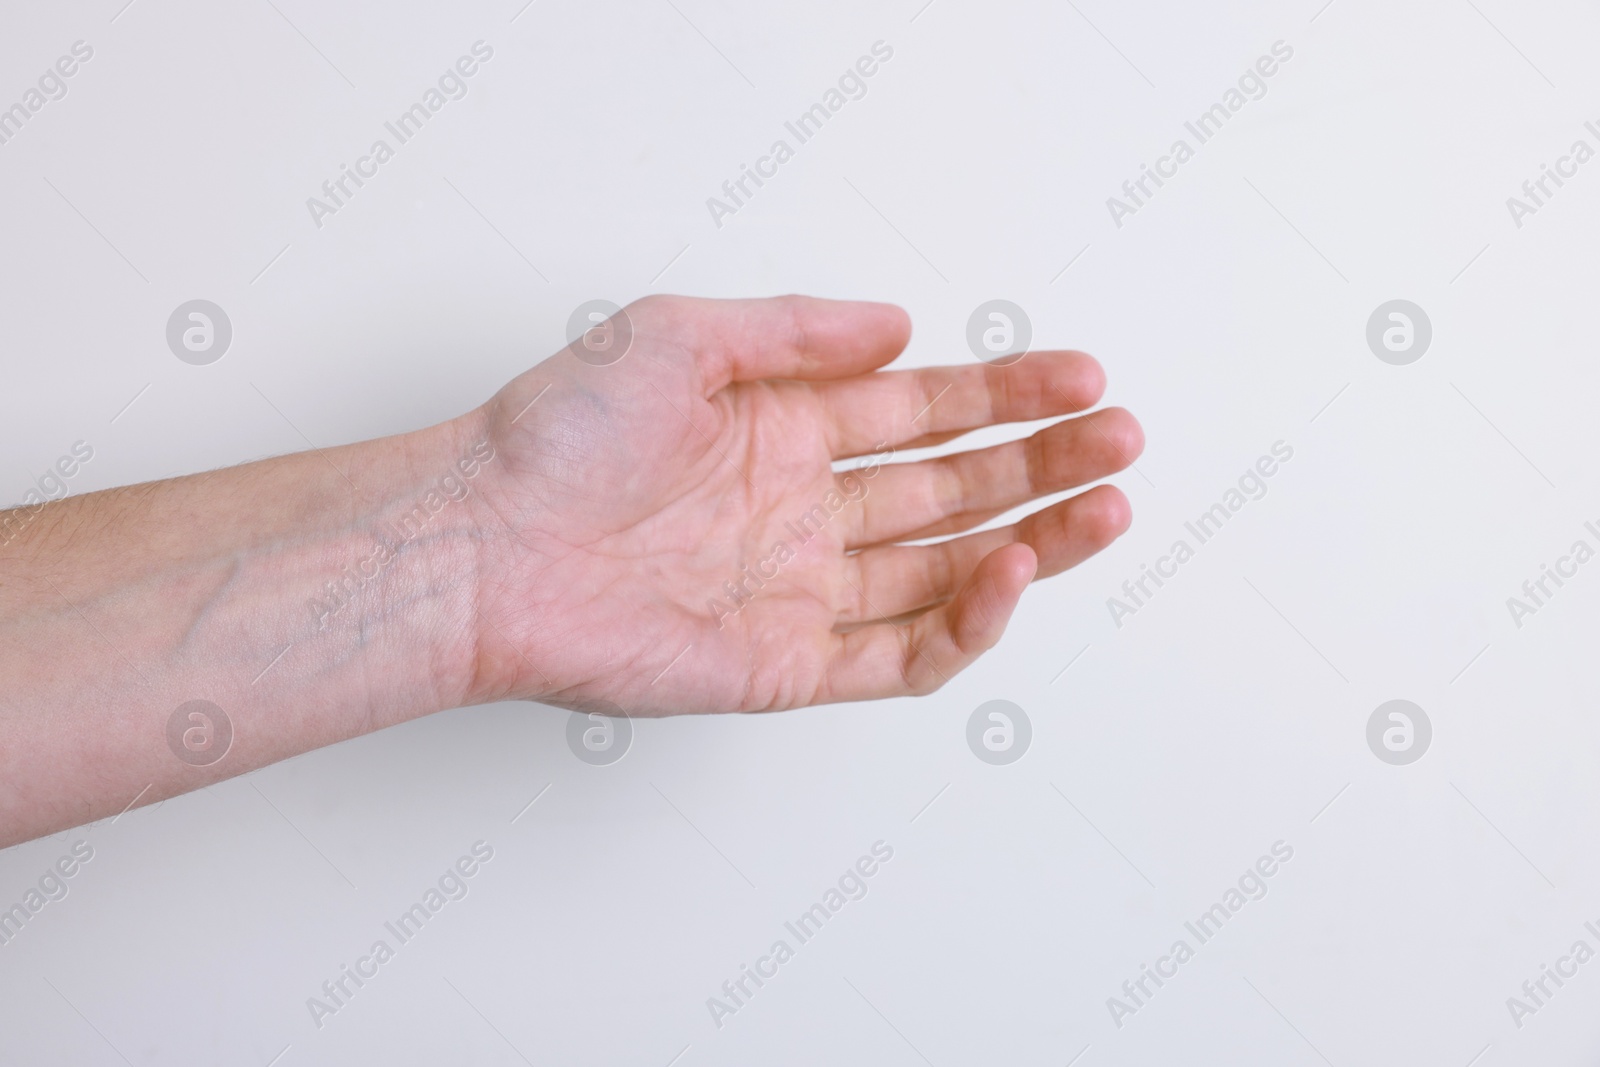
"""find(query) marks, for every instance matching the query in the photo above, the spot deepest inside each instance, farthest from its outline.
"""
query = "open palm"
(667, 532)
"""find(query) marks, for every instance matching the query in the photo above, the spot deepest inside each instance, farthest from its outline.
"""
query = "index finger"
(916, 408)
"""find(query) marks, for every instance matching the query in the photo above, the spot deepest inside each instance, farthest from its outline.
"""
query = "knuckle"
(796, 322)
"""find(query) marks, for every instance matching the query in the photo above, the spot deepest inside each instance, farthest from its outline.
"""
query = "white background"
(1222, 718)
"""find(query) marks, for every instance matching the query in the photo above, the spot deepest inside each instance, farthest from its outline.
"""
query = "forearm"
(311, 598)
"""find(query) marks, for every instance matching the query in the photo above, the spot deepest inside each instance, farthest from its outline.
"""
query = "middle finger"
(908, 501)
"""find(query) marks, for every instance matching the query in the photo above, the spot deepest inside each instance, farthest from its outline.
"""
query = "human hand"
(667, 533)
(661, 534)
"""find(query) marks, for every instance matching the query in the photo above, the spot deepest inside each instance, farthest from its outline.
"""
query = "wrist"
(401, 588)
(377, 583)
(516, 621)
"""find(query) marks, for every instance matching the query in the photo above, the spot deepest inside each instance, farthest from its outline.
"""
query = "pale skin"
(612, 546)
